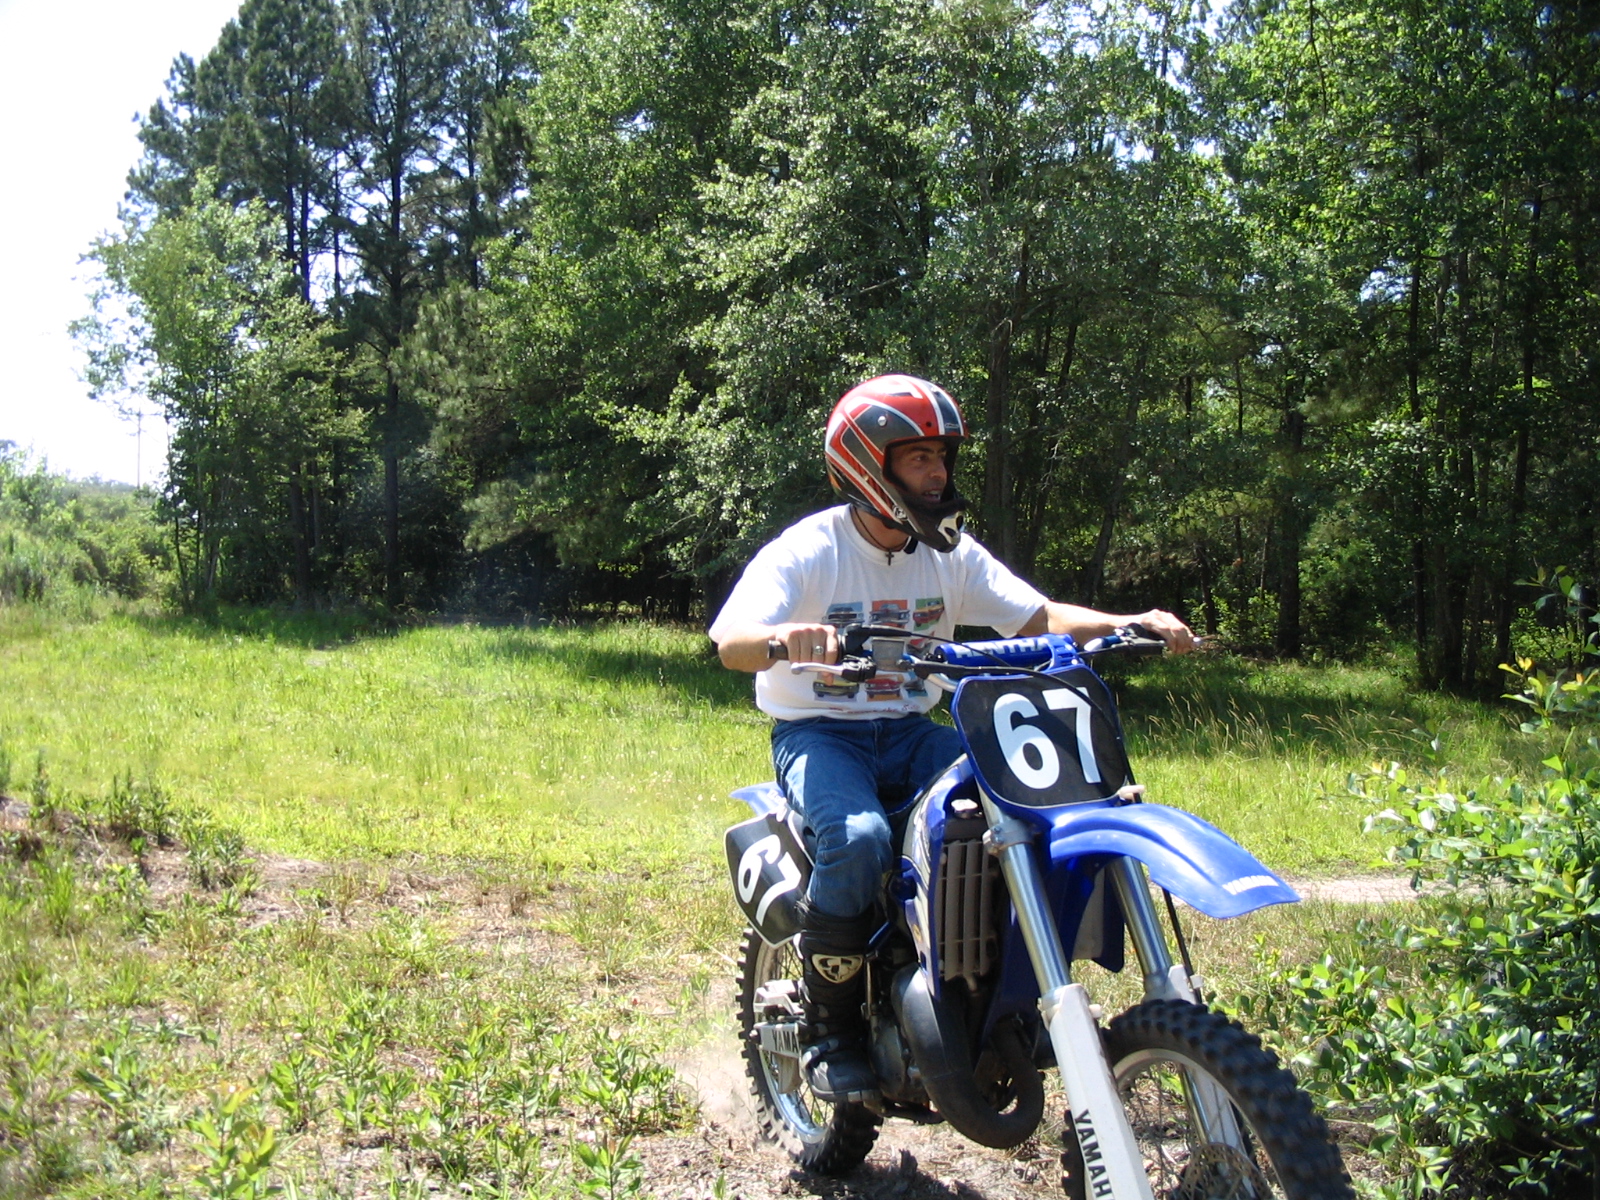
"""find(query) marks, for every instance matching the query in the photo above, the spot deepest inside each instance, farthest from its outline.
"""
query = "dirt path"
(1360, 889)
(909, 1162)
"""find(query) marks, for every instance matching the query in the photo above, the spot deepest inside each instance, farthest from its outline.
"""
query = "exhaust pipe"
(937, 1035)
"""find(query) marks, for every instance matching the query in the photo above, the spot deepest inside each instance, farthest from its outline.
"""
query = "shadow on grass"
(285, 626)
(1338, 711)
(686, 665)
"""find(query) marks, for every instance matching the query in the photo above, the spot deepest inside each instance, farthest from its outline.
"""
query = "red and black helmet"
(870, 418)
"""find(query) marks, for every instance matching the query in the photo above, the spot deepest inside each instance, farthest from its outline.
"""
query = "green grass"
(1264, 750)
(557, 746)
(594, 747)
(521, 899)
(207, 1043)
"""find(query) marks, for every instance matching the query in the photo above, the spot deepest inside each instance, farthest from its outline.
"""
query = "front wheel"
(827, 1138)
(1277, 1146)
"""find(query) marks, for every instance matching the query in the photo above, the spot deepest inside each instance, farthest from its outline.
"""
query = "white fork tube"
(1112, 1164)
(1112, 1161)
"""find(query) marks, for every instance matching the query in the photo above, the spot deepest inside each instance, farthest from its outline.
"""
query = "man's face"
(922, 468)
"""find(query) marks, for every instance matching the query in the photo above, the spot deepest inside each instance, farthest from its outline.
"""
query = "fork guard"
(1189, 857)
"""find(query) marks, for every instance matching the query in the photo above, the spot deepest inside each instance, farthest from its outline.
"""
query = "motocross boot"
(833, 1051)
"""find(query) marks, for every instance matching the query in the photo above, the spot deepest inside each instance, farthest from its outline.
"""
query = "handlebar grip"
(777, 649)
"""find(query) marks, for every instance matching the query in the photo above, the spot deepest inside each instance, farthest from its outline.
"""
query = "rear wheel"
(1279, 1147)
(827, 1138)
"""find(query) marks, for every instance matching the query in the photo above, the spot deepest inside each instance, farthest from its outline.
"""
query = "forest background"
(1282, 315)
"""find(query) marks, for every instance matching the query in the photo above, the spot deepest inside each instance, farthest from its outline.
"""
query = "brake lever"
(851, 670)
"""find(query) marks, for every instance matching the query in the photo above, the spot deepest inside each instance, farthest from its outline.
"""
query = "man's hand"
(809, 643)
(1085, 623)
(1178, 636)
(747, 649)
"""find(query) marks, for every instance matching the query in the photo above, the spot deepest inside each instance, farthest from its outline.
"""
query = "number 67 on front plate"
(1040, 743)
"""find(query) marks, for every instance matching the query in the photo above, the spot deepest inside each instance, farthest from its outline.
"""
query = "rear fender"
(763, 798)
(1189, 857)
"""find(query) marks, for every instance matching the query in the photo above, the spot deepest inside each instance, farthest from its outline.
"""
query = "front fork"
(1112, 1162)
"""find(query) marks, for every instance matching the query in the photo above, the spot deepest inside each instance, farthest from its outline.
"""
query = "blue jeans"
(834, 773)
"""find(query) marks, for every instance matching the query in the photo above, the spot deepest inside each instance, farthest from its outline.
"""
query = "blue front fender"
(1191, 858)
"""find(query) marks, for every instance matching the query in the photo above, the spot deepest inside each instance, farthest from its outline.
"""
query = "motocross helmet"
(869, 419)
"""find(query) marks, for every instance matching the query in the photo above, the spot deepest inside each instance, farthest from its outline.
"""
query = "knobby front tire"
(829, 1139)
(1287, 1153)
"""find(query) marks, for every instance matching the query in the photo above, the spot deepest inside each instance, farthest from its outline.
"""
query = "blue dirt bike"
(1033, 850)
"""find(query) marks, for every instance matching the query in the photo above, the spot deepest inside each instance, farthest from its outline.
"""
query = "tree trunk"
(1286, 638)
(1208, 599)
(298, 537)
(1519, 492)
(998, 516)
(1000, 462)
(1113, 502)
(392, 583)
(1419, 563)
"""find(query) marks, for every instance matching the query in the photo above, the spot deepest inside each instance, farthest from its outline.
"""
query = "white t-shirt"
(821, 569)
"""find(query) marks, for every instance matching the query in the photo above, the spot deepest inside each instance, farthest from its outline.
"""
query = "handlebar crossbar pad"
(1016, 652)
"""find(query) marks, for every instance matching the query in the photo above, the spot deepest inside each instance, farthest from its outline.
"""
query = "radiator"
(965, 897)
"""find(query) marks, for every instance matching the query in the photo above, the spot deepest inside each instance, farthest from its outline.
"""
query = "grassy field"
(367, 913)
(562, 747)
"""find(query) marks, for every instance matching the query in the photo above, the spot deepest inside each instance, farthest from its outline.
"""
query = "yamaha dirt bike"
(1033, 850)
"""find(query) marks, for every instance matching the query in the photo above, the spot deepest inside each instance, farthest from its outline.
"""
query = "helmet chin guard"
(872, 417)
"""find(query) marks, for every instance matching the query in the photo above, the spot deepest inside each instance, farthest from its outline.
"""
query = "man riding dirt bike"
(893, 555)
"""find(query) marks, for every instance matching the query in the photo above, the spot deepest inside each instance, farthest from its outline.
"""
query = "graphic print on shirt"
(830, 687)
(928, 613)
(893, 685)
(841, 614)
(891, 612)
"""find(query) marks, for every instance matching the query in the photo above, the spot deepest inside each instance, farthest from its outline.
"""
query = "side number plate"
(770, 869)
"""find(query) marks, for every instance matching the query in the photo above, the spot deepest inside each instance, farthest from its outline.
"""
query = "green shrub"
(60, 537)
(1481, 1067)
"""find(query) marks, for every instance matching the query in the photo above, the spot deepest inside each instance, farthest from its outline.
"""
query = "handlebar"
(861, 658)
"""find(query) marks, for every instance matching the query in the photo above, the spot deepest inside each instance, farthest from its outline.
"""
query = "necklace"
(888, 551)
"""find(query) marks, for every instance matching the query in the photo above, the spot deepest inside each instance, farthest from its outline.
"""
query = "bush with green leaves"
(1468, 1032)
(59, 536)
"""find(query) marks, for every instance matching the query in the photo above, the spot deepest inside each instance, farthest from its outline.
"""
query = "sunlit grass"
(555, 746)
(614, 747)
(1264, 750)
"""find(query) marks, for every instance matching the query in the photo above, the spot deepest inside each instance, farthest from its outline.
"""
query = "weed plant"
(156, 1029)
(1466, 1031)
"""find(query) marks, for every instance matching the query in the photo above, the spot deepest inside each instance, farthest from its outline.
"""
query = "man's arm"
(744, 647)
(1085, 623)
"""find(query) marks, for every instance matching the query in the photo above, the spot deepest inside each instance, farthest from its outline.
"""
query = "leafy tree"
(198, 314)
(403, 53)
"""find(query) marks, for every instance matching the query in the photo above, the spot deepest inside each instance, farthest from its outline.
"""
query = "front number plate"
(1042, 743)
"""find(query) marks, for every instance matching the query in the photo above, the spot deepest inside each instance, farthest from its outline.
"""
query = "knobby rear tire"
(1292, 1157)
(829, 1139)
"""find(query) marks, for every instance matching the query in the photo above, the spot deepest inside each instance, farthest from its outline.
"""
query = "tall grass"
(1263, 749)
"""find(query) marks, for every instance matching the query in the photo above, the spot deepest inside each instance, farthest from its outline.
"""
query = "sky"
(73, 78)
